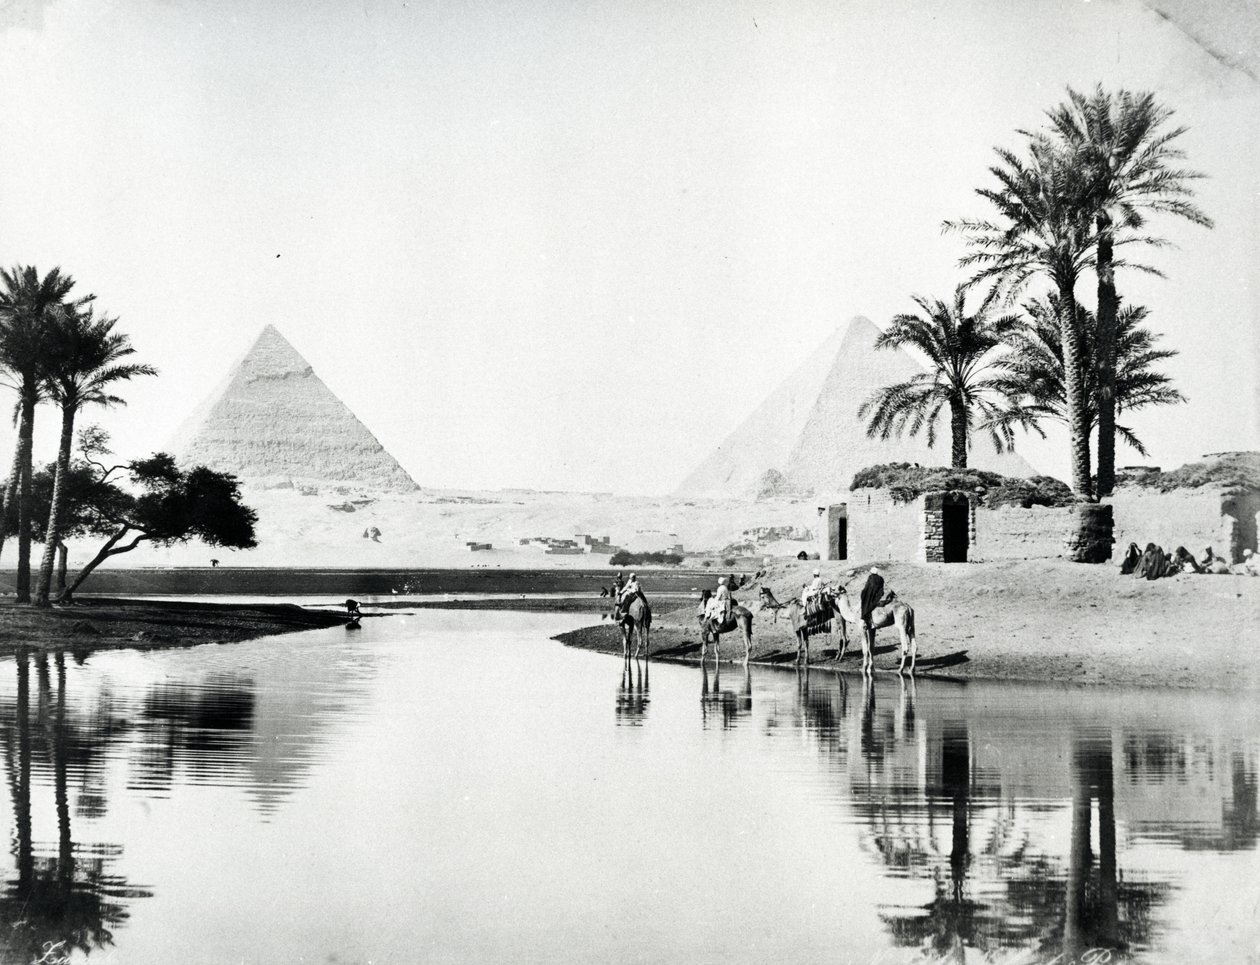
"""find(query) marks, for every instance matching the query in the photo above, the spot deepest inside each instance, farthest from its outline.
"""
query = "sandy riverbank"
(103, 624)
(1047, 620)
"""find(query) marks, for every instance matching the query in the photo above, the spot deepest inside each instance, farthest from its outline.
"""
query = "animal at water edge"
(801, 626)
(891, 612)
(635, 619)
(740, 618)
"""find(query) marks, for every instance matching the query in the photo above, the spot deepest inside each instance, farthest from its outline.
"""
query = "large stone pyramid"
(272, 422)
(807, 432)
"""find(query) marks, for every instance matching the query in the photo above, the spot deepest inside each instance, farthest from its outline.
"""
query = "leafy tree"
(965, 375)
(1044, 229)
(28, 303)
(1035, 366)
(83, 361)
(1132, 169)
(90, 502)
(171, 505)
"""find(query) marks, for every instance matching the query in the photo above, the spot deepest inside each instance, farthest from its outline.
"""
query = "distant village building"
(960, 526)
(479, 547)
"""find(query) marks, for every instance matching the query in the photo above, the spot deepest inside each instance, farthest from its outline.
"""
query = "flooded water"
(454, 787)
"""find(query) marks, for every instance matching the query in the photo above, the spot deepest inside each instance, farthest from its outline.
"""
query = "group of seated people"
(1153, 562)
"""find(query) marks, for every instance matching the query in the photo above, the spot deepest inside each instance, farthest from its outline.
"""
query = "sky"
(572, 245)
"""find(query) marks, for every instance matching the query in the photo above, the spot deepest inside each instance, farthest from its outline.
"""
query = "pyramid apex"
(859, 330)
(273, 356)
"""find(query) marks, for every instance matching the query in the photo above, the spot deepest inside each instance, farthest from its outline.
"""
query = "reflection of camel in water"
(632, 692)
(733, 705)
(740, 619)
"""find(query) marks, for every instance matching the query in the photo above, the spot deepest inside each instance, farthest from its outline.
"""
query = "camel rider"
(813, 590)
(720, 603)
(629, 592)
(872, 594)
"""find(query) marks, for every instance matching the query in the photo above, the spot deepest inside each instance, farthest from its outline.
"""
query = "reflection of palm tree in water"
(731, 704)
(632, 692)
(55, 905)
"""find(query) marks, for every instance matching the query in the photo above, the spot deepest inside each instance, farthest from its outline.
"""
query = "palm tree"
(1132, 170)
(1044, 230)
(1034, 369)
(27, 305)
(83, 361)
(965, 374)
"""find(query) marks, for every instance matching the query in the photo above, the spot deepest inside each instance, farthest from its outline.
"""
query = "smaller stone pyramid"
(273, 422)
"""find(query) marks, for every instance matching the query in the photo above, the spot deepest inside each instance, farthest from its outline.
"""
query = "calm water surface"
(454, 787)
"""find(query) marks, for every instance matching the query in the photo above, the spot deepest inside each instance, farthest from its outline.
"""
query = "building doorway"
(955, 531)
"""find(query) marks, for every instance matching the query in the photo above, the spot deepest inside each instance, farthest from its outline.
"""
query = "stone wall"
(1012, 533)
(1192, 518)
(880, 528)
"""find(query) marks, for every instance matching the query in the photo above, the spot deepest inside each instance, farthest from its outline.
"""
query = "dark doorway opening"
(954, 532)
(842, 538)
(1241, 508)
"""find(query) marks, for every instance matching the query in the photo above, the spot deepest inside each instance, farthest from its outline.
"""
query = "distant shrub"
(907, 482)
(1037, 491)
(1233, 470)
(728, 561)
(626, 558)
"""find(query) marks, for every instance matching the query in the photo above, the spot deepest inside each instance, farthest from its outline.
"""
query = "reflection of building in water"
(724, 706)
(61, 897)
(632, 692)
(1017, 815)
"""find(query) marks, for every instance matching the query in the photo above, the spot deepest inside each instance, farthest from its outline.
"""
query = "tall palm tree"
(1034, 369)
(965, 374)
(83, 361)
(1044, 230)
(27, 305)
(1132, 170)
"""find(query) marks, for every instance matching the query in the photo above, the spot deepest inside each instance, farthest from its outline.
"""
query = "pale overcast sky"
(571, 245)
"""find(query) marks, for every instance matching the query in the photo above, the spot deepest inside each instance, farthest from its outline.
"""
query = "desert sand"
(1043, 620)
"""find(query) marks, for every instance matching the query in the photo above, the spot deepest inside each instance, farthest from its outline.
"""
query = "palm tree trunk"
(26, 433)
(1074, 386)
(1108, 306)
(62, 562)
(56, 514)
(10, 492)
(958, 432)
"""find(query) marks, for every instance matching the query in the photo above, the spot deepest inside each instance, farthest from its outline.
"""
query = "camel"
(796, 613)
(893, 612)
(741, 618)
(635, 620)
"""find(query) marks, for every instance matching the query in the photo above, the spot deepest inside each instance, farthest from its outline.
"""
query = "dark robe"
(1131, 558)
(872, 593)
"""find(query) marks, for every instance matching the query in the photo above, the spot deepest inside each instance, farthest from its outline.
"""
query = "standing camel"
(803, 628)
(635, 620)
(893, 612)
(741, 618)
